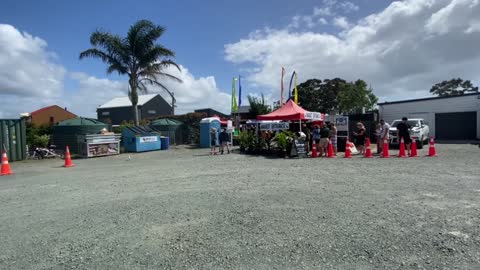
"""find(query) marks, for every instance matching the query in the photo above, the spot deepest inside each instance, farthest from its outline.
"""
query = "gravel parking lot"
(184, 209)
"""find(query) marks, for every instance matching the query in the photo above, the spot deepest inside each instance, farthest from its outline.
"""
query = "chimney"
(66, 109)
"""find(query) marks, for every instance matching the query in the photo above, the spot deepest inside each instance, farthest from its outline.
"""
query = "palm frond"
(95, 53)
(154, 54)
(142, 36)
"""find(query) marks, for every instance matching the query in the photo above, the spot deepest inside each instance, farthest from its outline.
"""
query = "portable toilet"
(206, 125)
(140, 139)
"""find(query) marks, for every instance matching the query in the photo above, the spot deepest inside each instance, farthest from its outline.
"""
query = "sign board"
(299, 148)
(148, 139)
(342, 123)
(314, 116)
(274, 126)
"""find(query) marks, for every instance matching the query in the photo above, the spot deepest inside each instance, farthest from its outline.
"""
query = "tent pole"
(300, 125)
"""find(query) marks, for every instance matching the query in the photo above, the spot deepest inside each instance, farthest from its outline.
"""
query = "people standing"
(308, 137)
(324, 135)
(224, 139)
(333, 137)
(213, 141)
(316, 136)
(378, 133)
(360, 136)
(384, 135)
(403, 131)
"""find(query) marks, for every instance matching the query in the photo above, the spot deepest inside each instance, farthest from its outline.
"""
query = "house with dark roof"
(211, 112)
(49, 116)
(120, 109)
(244, 112)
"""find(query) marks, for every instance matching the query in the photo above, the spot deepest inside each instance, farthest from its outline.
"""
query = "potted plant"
(282, 142)
(244, 141)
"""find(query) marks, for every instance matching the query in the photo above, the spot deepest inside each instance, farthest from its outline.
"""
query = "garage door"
(456, 126)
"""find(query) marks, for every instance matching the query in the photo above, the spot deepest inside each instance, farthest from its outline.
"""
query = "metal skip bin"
(140, 139)
(97, 145)
(13, 138)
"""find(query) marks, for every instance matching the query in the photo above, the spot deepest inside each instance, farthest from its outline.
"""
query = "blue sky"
(213, 41)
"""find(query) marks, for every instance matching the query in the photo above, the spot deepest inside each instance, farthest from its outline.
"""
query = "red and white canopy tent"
(292, 112)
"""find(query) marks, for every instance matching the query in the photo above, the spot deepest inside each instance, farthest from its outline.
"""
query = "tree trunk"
(134, 99)
(135, 114)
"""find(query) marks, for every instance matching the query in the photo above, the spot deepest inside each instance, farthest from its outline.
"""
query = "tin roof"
(166, 122)
(429, 98)
(80, 121)
(125, 101)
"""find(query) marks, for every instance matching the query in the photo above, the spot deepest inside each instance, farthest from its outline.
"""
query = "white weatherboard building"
(449, 118)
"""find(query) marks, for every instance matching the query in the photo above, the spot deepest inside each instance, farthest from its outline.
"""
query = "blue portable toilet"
(206, 124)
(140, 139)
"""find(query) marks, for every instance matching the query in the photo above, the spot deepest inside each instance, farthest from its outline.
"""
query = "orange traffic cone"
(5, 166)
(314, 150)
(348, 151)
(401, 153)
(330, 153)
(68, 159)
(431, 150)
(386, 152)
(368, 151)
(413, 151)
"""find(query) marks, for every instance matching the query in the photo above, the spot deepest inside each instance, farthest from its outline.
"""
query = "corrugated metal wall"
(13, 138)
(427, 109)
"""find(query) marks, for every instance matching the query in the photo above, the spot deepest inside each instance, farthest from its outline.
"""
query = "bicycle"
(41, 153)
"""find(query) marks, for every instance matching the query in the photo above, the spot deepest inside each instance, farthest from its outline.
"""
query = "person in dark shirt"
(224, 138)
(403, 131)
(324, 139)
(360, 137)
(308, 137)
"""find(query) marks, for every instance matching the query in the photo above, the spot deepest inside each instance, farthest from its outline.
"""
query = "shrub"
(38, 135)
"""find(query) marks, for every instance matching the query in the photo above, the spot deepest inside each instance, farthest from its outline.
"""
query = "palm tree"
(137, 56)
(257, 106)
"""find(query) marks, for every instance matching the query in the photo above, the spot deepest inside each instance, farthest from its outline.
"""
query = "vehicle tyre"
(420, 144)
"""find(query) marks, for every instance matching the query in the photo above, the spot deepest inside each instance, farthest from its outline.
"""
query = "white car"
(419, 132)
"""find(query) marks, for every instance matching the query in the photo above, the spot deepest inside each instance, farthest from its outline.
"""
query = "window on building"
(152, 112)
(105, 113)
(52, 120)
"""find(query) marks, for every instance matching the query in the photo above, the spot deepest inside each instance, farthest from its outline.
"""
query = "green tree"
(355, 96)
(336, 95)
(315, 95)
(136, 55)
(453, 87)
(257, 106)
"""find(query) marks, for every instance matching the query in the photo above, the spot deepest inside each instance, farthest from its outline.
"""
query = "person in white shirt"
(384, 129)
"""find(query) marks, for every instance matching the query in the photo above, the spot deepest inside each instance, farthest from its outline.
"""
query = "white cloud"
(30, 79)
(324, 11)
(26, 67)
(194, 93)
(341, 22)
(322, 21)
(329, 8)
(402, 50)
(349, 7)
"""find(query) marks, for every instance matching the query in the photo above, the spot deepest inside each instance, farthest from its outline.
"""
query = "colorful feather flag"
(281, 92)
(234, 97)
(290, 86)
(295, 91)
(239, 91)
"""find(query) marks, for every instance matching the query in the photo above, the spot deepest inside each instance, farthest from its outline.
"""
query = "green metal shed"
(169, 128)
(13, 138)
(65, 133)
